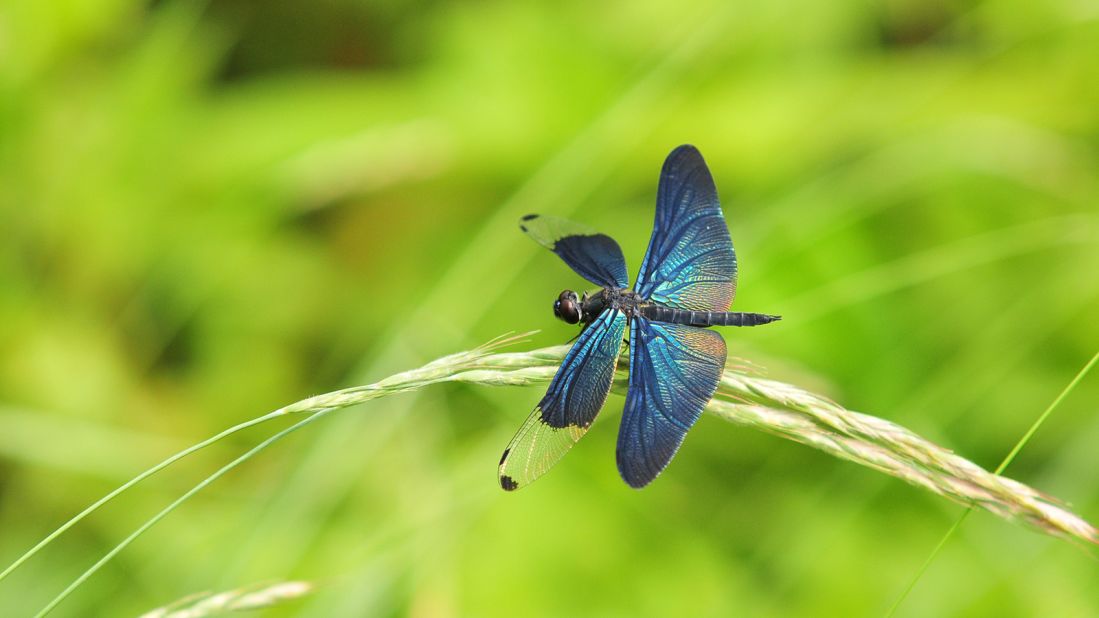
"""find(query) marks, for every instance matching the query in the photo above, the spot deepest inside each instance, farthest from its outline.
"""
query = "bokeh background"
(211, 209)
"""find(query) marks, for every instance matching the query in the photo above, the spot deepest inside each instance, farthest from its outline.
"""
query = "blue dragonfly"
(686, 284)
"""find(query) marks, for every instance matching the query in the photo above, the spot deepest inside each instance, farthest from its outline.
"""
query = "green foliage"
(211, 210)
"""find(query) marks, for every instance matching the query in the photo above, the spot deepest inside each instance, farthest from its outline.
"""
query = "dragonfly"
(686, 284)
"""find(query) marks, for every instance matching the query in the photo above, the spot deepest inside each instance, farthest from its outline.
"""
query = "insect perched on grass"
(686, 283)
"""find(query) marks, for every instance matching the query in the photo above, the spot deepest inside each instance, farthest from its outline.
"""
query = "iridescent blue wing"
(573, 399)
(594, 256)
(674, 371)
(690, 263)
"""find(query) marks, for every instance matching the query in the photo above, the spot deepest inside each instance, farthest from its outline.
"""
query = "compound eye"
(566, 308)
(570, 313)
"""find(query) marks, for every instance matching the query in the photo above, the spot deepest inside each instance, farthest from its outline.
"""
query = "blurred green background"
(209, 210)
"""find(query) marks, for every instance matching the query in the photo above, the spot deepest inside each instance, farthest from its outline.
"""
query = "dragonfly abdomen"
(705, 318)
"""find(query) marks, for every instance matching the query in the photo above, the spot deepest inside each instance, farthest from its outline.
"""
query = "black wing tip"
(640, 482)
(508, 483)
(637, 470)
(685, 155)
(685, 151)
(635, 478)
(529, 217)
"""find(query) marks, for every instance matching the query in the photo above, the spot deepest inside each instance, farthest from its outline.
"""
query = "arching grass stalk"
(242, 599)
(792, 413)
(435, 371)
(742, 398)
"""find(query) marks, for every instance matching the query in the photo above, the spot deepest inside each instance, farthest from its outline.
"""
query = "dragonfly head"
(567, 307)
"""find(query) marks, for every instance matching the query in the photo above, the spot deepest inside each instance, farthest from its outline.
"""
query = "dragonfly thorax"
(572, 309)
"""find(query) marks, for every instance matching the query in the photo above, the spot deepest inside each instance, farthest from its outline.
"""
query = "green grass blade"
(1003, 465)
(1042, 419)
(134, 481)
(152, 521)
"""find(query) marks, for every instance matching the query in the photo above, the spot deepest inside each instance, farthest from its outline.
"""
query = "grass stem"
(742, 398)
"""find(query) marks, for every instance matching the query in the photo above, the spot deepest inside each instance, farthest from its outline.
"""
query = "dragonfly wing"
(574, 397)
(594, 256)
(690, 262)
(674, 371)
